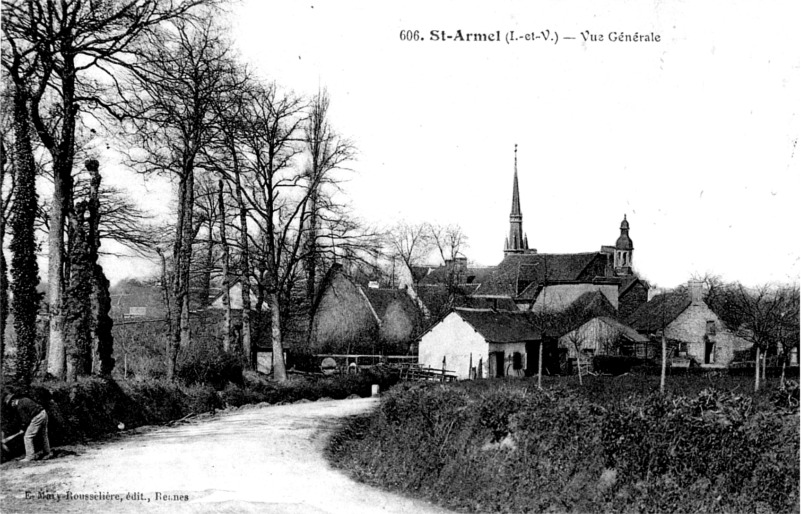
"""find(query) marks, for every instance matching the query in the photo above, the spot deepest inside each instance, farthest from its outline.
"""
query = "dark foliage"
(507, 447)
(615, 364)
(206, 363)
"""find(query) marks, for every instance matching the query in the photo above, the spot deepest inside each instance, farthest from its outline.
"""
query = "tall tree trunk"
(63, 154)
(311, 252)
(226, 281)
(539, 364)
(244, 271)
(3, 297)
(24, 266)
(279, 367)
(664, 363)
(171, 349)
(77, 304)
(208, 266)
(756, 370)
(102, 324)
(182, 256)
(3, 264)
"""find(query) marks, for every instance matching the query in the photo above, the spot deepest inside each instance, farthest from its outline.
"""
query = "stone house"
(482, 343)
(692, 328)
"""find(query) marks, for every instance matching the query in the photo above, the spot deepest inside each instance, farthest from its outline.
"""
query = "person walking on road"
(33, 420)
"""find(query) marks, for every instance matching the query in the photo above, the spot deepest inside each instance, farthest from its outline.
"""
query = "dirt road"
(265, 459)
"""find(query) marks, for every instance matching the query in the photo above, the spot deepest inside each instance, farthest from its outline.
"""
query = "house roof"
(500, 326)
(467, 276)
(625, 330)
(501, 303)
(533, 269)
(594, 304)
(590, 305)
(659, 311)
(381, 299)
(628, 282)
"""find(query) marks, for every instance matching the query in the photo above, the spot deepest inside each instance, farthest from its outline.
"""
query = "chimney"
(696, 289)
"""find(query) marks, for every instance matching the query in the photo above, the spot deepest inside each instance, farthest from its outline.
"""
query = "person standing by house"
(33, 420)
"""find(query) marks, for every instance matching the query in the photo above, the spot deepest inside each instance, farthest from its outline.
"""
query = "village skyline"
(692, 138)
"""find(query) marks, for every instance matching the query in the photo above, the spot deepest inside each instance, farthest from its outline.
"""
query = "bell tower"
(624, 248)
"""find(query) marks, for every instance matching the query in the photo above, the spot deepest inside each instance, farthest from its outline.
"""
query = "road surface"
(263, 459)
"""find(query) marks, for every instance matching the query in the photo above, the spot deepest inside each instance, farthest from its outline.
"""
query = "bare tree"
(64, 52)
(755, 312)
(411, 243)
(577, 339)
(788, 330)
(172, 115)
(450, 240)
(327, 152)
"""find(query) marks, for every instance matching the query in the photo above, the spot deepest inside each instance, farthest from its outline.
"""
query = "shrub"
(615, 364)
(496, 446)
(206, 363)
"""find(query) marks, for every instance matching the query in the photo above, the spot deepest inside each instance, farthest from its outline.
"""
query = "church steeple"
(516, 242)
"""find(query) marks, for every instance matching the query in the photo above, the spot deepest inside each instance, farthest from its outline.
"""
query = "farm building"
(479, 343)
(349, 317)
(692, 329)
(603, 335)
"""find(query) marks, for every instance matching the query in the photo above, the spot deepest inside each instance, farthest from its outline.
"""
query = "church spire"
(516, 191)
(517, 241)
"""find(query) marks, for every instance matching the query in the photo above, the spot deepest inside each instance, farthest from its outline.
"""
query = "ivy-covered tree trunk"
(77, 302)
(4, 201)
(102, 338)
(24, 267)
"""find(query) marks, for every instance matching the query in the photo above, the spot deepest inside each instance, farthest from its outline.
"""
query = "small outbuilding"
(603, 335)
(482, 343)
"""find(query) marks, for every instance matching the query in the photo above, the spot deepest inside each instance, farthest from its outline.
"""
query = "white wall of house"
(508, 350)
(691, 327)
(456, 341)
(560, 296)
(235, 294)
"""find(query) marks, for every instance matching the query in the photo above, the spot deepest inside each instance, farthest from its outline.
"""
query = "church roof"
(442, 275)
(535, 269)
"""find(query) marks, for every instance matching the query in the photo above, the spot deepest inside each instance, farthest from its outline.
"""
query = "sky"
(693, 138)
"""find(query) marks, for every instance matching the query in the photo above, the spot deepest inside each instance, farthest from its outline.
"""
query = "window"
(711, 330)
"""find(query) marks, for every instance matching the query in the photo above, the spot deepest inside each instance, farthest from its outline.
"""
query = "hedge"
(512, 448)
